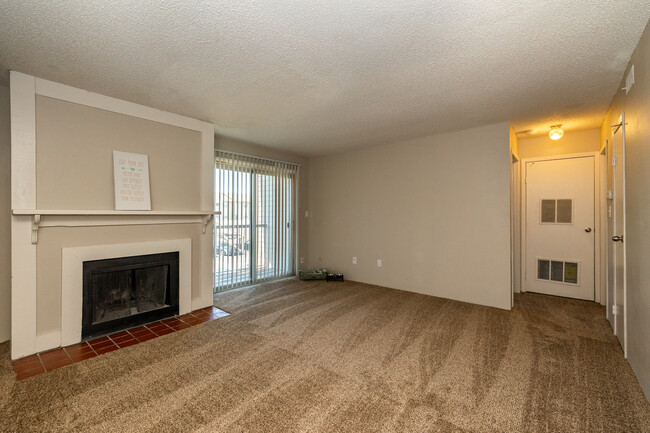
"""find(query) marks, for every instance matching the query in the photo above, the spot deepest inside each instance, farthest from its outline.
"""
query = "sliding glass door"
(255, 232)
(232, 231)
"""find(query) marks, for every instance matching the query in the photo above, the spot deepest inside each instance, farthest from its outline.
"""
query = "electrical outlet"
(354, 260)
(302, 260)
(379, 263)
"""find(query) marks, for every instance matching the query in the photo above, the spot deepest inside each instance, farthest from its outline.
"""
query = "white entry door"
(560, 231)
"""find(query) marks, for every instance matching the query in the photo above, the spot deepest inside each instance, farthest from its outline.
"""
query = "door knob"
(617, 238)
(588, 229)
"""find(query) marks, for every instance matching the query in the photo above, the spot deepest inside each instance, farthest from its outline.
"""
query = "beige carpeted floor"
(325, 357)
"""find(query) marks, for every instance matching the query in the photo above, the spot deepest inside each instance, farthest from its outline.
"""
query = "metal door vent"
(557, 270)
(556, 211)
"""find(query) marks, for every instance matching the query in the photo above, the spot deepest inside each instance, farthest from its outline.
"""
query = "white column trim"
(23, 194)
(23, 141)
(23, 288)
(95, 100)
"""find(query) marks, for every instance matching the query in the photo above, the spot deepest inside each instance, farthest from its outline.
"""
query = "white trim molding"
(73, 258)
(93, 218)
(23, 91)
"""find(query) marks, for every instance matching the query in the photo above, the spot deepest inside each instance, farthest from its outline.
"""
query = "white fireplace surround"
(72, 261)
(27, 219)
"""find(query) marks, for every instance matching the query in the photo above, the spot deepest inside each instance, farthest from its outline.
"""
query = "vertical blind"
(255, 232)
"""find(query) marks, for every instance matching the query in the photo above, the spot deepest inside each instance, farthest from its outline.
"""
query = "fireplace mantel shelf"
(71, 218)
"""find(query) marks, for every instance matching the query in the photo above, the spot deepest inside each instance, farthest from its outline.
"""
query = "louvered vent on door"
(543, 269)
(564, 211)
(556, 211)
(557, 270)
(548, 211)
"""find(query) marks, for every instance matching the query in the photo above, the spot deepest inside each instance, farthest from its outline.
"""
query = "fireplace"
(120, 293)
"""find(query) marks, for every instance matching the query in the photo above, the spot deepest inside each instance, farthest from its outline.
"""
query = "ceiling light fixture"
(556, 132)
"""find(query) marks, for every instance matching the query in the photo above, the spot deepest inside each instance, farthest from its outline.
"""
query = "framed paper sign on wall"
(131, 174)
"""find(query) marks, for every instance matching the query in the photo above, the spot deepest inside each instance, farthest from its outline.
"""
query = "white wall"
(636, 106)
(5, 216)
(435, 210)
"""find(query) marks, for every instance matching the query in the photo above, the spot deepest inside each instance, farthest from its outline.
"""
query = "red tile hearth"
(51, 360)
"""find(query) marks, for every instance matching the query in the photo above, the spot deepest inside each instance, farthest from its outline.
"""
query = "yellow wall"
(435, 210)
(636, 106)
(572, 142)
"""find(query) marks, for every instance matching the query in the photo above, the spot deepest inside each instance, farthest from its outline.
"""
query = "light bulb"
(556, 132)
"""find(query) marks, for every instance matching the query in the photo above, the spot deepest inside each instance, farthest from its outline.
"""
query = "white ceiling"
(316, 77)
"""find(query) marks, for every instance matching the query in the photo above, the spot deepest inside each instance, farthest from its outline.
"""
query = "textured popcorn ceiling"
(315, 77)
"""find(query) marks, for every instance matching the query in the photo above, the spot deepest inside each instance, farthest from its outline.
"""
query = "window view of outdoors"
(244, 253)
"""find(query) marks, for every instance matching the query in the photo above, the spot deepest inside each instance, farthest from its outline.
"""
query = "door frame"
(597, 223)
(604, 221)
(515, 227)
(620, 125)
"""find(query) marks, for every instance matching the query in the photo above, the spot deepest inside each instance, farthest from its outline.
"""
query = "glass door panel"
(232, 240)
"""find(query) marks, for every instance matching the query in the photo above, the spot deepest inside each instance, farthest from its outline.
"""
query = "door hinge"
(613, 161)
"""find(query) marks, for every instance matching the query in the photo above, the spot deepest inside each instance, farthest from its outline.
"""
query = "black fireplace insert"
(128, 291)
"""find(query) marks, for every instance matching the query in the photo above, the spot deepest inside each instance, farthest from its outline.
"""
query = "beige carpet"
(325, 357)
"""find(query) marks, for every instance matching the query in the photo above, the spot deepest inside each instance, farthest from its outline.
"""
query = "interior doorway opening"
(584, 143)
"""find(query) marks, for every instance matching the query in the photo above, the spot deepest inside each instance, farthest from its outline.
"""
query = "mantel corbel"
(205, 220)
(36, 222)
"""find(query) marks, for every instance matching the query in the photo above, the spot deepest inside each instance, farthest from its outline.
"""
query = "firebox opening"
(128, 291)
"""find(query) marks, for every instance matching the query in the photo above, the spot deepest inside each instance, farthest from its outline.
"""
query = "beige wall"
(232, 145)
(572, 142)
(636, 106)
(436, 210)
(74, 157)
(74, 170)
(5, 216)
